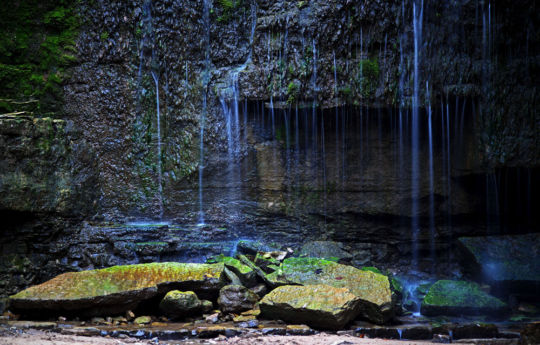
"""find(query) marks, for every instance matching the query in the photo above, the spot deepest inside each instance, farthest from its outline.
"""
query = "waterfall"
(206, 79)
(314, 110)
(415, 169)
(160, 185)
(431, 182)
(230, 105)
(337, 114)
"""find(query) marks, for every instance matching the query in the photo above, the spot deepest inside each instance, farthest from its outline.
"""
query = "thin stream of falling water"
(448, 168)
(206, 79)
(323, 167)
(337, 114)
(431, 182)
(314, 113)
(273, 116)
(344, 115)
(417, 26)
(160, 184)
(230, 103)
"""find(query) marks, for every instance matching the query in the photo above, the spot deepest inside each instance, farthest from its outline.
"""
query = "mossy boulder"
(506, 262)
(236, 298)
(247, 276)
(319, 306)
(372, 288)
(456, 298)
(180, 304)
(119, 288)
(266, 262)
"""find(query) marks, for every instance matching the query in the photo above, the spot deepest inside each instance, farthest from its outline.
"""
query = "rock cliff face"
(44, 167)
(272, 172)
(335, 52)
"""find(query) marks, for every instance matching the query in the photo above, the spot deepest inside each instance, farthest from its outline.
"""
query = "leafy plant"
(292, 93)
(228, 8)
(368, 76)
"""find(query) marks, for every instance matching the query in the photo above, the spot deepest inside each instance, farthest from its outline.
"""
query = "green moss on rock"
(118, 286)
(180, 303)
(450, 297)
(37, 39)
(372, 269)
(244, 272)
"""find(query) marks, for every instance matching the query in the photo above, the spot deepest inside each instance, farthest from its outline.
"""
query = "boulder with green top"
(319, 306)
(456, 298)
(247, 276)
(372, 288)
(143, 320)
(177, 304)
(266, 262)
(117, 289)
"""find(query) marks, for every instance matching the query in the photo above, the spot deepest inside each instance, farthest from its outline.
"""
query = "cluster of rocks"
(261, 292)
(318, 292)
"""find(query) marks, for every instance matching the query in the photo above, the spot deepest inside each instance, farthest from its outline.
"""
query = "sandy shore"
(33, 337)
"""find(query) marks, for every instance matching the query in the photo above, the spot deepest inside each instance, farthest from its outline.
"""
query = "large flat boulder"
(457, 298)
(118, 288)
(319, 306)
(372, 288)
(510, 262)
